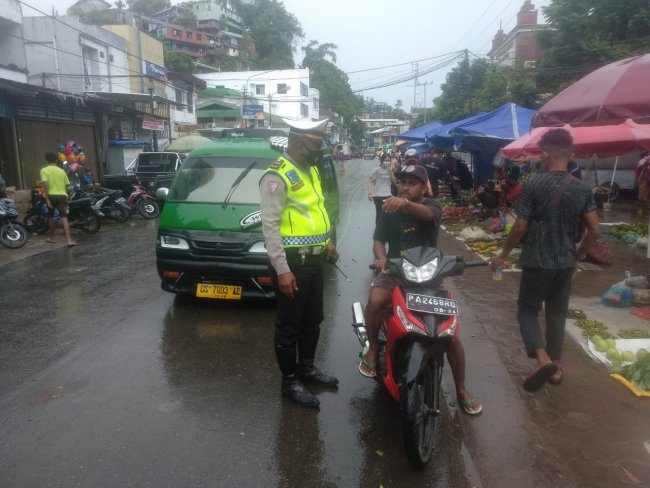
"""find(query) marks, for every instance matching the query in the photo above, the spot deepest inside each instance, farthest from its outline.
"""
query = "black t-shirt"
(403, 231)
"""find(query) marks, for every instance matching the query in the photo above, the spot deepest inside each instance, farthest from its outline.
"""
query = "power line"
(480, 17)
(489, 24)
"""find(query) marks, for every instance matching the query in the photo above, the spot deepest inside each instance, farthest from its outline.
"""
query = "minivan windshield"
(210, 179)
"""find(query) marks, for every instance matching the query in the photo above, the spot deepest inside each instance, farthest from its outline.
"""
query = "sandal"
(470, 407)
(50, 241)
(537, 378)
(370, 368)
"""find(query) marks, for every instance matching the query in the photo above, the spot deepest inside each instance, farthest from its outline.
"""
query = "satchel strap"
(556, 197)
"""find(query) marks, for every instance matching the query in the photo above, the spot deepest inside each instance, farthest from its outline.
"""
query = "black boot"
(291, 386)
(293, 390)
(307, 372)
(310, 374)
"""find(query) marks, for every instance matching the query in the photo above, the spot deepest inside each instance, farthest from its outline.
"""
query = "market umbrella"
(603, 140)
(615, 92)
(187, 144)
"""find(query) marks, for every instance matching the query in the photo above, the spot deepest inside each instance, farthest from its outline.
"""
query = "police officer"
(297, 233)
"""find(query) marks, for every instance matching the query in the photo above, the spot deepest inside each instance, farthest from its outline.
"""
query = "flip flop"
(72, 244)
(50, 241)
(537, 378)
(470, 407)
(371, 367)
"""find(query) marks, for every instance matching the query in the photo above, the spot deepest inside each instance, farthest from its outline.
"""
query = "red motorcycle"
(413, 340)
(142, 202)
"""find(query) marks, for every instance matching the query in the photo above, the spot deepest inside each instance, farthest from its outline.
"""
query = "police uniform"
(296, 229)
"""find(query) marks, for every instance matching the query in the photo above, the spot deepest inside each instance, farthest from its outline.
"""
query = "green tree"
(186, 18)
(588, 33)
(274, 30)
(458, 91)
(178, 62)
(147, 7)
(357, 132)
(493, 92)
(335, 92)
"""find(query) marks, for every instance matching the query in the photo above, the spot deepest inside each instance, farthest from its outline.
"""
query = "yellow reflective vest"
(304, 221)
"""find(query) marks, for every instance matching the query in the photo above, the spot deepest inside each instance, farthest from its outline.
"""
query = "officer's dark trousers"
(297, 323)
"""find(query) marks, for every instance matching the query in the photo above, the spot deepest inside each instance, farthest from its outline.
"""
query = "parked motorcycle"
(110, 203)
(142, 202)
(413, 340)
(81, 214)
(12, 233)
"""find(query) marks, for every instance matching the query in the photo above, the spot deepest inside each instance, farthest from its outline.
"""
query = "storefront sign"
(152, 123)
(252, 112)
(155, 71)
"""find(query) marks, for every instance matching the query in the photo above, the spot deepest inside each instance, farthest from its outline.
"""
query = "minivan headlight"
(173, 242)
(419, 274)
(258, 247)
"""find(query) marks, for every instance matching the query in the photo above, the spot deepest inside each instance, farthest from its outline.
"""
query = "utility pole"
(469, 83)
(425, 98)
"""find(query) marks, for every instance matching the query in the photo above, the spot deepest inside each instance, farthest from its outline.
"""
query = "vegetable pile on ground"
(639, 371)
(629, 233)
(592, 328)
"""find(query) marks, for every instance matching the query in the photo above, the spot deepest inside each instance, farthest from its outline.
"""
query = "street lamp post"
(271, 104)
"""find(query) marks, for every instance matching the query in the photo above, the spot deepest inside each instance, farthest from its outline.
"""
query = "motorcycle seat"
(79, 201)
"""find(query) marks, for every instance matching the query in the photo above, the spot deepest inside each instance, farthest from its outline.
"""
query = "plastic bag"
(494, 224)
(637, 282)
(618, 295)
(600, 254)
(473, 234)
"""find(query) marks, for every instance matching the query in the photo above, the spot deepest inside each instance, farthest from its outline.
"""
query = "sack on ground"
(618, 295)
(473, 234)
(600, 254)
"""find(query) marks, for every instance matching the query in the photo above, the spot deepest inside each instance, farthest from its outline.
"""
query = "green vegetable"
(641, 353)
(638, 373)
(634, 334)
(576, 314)
(627, 356)
(591, 328)
(613, 356)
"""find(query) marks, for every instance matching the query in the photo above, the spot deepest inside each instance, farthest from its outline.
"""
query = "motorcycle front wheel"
(88, 221)
(36, 223)
(13, 235)
(148, 208)
(417, 402)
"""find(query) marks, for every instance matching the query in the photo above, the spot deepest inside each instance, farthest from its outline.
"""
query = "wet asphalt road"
(105, 380)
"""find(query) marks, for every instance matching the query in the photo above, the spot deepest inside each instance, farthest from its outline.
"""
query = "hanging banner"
(152, 123)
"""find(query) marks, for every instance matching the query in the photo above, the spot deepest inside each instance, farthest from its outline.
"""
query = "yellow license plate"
(225, 292)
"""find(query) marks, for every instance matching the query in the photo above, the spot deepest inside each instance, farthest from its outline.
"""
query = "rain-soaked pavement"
(107, 381)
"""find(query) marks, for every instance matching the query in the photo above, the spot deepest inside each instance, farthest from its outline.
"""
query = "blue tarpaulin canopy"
(482, 135)
(419, 134)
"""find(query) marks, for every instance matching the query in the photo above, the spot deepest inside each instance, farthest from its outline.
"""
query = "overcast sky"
(379, 33)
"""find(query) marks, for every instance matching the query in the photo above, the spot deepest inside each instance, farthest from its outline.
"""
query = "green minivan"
(210, 241)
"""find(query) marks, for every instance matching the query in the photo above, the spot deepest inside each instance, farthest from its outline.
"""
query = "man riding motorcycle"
(407, 221)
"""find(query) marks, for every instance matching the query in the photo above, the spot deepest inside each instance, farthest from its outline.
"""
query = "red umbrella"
(603, 140)
(612, 93)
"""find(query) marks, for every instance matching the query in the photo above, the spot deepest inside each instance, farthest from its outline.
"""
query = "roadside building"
(519, 46)
(281, 93)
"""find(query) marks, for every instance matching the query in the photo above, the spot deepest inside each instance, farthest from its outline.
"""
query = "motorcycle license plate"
(224, 292)
(429, 304)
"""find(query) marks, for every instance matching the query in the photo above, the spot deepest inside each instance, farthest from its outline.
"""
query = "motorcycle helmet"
(411, 155)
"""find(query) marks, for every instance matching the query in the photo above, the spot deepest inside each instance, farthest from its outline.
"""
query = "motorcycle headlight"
(172, 242)
(258, 247)
(418, 274)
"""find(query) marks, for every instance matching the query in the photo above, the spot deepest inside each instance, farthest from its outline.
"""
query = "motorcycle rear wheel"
(36, 223)
(13, 235)
(88, 221)
(119, 214)
(417, 401)
(149, 209)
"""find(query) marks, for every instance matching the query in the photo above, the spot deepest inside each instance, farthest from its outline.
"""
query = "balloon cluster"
(72, 156)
